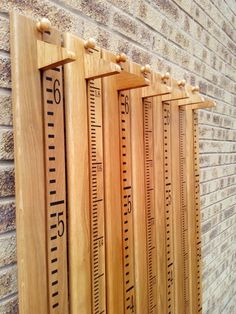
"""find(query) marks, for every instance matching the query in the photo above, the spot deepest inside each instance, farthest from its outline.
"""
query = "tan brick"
(5, 72)
(8, 281)
(4, 34)
(7, 182)
(125, 25)
(5, 110)
(9, 306)
(126, 5)
(7, 249)
(6, 144)
(7, 216)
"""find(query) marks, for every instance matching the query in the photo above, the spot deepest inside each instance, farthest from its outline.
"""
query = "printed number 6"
(56, 92)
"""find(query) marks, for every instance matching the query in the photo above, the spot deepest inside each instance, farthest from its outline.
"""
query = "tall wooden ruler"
(145, 226)
(40, 163)
(153, 243)
(164, 193)
(121, 284)
(186, 214)
(190, 203)
(84, 117)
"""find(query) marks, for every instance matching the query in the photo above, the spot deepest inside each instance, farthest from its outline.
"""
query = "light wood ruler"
(163, 194)
(84, 118)
(40, 163)
(118, 120)
(182, 136)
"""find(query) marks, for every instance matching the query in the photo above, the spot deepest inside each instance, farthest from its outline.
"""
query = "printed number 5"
(129, 204)
(61, 226)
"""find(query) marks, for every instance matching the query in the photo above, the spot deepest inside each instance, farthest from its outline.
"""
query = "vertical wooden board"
(197, 213)
(140, 231)
(193, 202)
(184, 148)
(53, 106)
(179, 266)
(29, 164)
(191, 228)
(76, 116)
(97, 208)
(149, 166)
(112, 172)
(127, 208)
(158, 135)
(169, 206)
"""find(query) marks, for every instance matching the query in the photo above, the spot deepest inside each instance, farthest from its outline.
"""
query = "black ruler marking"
(150, 206)
(127, 203)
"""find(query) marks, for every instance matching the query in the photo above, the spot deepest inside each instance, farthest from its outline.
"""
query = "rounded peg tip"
(146, 68)
(165, 76)
(195, 89)
(71, 54)
(44, 25)
(121, 57)
(181, 83)
(90, 43)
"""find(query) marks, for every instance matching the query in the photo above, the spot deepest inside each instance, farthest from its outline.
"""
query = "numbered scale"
(126, 202)
(107, 180)
(55, 188)
(150, 204)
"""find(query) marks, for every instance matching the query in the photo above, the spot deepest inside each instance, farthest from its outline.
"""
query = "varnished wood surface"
(55, 184)
(115, 296)
(29, 167)
(79, 235)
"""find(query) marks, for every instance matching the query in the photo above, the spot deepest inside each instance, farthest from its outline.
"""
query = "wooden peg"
(146, 68)
(165, 76)
(44, 25)
(181, 83)
(90, 43)
(195, 89)
(121, 58)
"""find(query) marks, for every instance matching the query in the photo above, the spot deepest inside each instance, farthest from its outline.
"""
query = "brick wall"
(194, 40)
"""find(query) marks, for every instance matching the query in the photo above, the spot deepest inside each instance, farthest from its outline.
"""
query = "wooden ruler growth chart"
(107, 179)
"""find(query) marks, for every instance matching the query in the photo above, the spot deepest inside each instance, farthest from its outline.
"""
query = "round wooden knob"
(195, 89)
(181, 83)
(71, 54)
(146, 68)
(165, 76)
(90, 43)
(121, 57)
(44, 25)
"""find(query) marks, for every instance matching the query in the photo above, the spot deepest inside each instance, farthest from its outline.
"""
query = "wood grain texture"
(140, 230)
(179, 266)
(160, 209)
(55, 185)
(115, 288)
(29, 165)
(76, 117)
